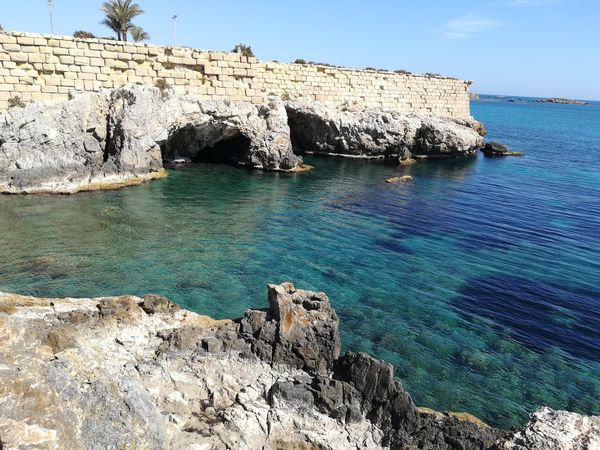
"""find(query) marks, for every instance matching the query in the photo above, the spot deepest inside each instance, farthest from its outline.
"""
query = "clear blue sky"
(514, 47)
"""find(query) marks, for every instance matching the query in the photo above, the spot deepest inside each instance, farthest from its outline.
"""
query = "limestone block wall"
(38, 67)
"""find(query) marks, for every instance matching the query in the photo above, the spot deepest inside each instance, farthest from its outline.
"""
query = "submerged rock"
(402, 179)
(120, 137)
(496, 149)
(364, 133)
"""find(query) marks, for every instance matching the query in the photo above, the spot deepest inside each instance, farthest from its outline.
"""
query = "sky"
(538, 48)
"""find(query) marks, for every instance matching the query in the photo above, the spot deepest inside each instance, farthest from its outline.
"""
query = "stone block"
(10, 47)
(19, 57)
(90, 69)
(82, 61)
(68, 44)
(7, 39)
(36, 58)
(65, 59)
(59, 51)
(25, 40)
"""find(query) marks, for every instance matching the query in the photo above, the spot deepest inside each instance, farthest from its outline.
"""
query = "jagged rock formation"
(126, 372)
(352, 131)
(120, 137)
(549, 430)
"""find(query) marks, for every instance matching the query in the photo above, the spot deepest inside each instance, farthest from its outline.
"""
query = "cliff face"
(126, 372)
(351, 130)
(119, 137)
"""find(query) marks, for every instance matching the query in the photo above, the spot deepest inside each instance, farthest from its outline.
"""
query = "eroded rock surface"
(128, 372)
(368, 133)
(556, 430)
(115, 138)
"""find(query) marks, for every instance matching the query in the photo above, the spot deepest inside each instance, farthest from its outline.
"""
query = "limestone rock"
(120, 137)
(126, 372)
(496, 149)
(300, 329)
(548, 429)
(102, 373)
(376, 133)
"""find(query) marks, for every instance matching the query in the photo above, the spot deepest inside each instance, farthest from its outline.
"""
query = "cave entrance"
(227, 151)
(206, 145)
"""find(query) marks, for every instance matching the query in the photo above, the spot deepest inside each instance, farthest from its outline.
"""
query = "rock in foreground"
(120, 137)
(127, 372)
(368, 133)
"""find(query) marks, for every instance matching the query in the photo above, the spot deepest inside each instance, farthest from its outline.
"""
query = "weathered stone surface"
(548, 429)
(498, 150)
(372, 133)
(300, 329)
(97, 374)
(127, 372)
(118, 138)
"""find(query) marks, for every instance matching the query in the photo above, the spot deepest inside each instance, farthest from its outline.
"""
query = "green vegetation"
(81, 34)
(402, 72)
(299, 61)
(244, 49)
(16, 102)
(162, 84)
(138, 34)
(119, 14)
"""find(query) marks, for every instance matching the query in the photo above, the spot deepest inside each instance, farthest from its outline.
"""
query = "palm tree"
(119, 14)
(138, 34)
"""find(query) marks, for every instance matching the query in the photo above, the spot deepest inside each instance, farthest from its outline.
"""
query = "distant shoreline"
(514, 98)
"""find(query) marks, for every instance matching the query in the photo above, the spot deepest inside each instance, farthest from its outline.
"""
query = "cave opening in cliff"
(189, 143)
(227, 151)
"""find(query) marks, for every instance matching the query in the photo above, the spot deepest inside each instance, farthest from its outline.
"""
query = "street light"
(175, 30)
(50, 3)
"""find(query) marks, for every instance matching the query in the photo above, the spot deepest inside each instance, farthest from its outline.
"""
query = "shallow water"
(479, 282)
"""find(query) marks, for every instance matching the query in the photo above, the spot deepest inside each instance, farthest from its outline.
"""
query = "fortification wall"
(40, 67)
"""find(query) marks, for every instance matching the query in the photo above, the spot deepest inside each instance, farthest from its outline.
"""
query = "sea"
(479, 282)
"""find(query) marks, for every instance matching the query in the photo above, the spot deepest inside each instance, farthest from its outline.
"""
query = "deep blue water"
(480, 282)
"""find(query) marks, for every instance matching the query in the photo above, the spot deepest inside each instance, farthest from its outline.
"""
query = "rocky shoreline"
(122, 137)
(127, 372)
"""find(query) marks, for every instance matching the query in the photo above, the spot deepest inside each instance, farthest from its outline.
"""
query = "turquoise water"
(479, 282)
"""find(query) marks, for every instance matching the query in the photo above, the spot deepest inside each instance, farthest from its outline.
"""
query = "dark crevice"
(109, 146)
(228, 151)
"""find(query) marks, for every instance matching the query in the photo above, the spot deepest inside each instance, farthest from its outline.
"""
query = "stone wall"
(39, 67)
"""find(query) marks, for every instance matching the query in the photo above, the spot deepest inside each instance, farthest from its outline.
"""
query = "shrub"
(80, 34)
(16, 102)
(402, 71)
(244, 49)
(370, 68)
(299, 61)
(162, 84)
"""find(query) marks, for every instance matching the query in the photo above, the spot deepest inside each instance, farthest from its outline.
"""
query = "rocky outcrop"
(115, 138)
(128, 372)
(549, 430)
(299, 329)
(352, 131)
(495, 149)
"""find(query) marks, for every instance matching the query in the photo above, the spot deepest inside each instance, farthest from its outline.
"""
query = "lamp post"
(50, 4)
(175, 30)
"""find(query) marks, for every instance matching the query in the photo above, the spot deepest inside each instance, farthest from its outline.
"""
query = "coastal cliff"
(127, 372)
(121, 137)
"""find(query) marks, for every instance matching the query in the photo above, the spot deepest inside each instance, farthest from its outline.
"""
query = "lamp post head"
(174, 17)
